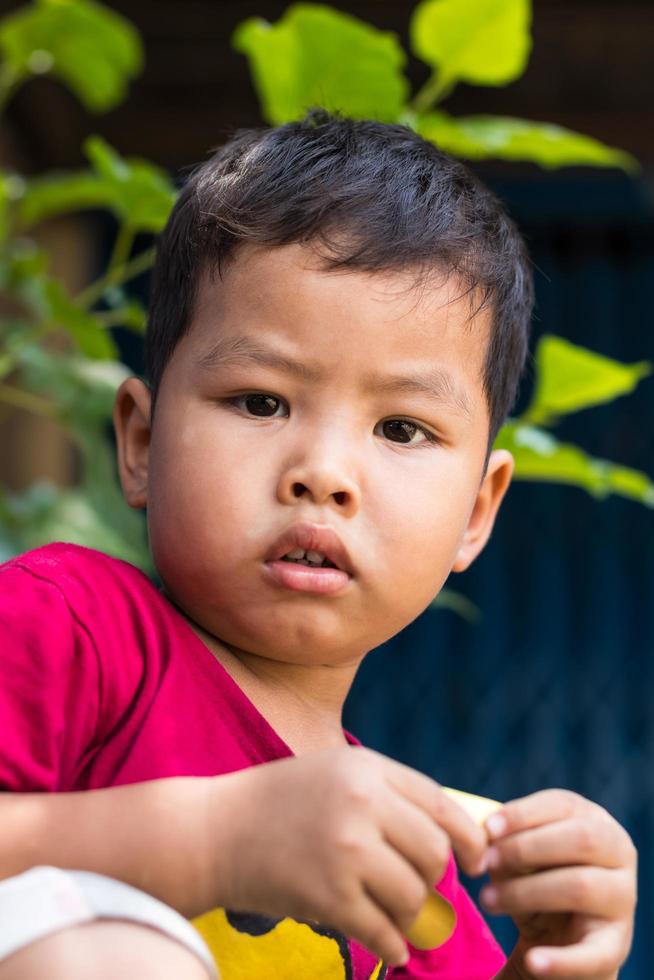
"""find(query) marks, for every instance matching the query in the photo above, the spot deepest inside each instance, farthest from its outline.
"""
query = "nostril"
(299, 489)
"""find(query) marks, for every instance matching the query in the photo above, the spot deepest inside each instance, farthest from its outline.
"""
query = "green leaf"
(136, 192)
(89, 334)
(539, 456)
(131, 316)
(485, 42)
(7, 363)
(45, 513)
(46, 197)
(55, 309)
(317, 56)
(12, 187)
(26, 276)
(143, 194)
(506, 138)
(94, 514)
(457, 603)
(92, 49)
(83, 388)
(24, 262)
(4, 210)
(570, 378)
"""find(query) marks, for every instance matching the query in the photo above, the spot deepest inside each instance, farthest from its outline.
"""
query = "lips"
(312, 537)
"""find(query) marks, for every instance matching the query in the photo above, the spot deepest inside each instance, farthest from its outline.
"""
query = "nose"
(322, 478)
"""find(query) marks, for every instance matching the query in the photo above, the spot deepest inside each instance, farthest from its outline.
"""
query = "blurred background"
(547, 678)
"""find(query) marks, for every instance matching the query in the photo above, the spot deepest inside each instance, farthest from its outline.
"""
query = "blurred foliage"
(550, 146)
(487, 44)
(569, 378)
(540, 456)
(314, 55)
(299, 62)
(93, 50)
(137, 193)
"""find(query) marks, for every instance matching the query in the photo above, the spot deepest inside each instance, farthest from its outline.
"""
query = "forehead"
(286, 298)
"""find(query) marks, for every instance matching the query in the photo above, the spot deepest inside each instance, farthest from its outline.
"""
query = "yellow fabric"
(288, 951)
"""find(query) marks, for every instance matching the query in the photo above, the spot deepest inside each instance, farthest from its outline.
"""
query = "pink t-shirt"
(103, 683)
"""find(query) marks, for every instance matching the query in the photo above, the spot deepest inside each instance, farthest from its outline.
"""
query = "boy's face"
(245, 449)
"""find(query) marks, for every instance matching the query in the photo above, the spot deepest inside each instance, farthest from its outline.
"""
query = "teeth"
(315, 559)
(302, 557)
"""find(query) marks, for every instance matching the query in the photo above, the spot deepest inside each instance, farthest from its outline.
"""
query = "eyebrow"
(245, 350)
(436, 383)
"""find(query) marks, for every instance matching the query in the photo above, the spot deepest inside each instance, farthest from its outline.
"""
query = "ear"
(494, 486)
(131, 418)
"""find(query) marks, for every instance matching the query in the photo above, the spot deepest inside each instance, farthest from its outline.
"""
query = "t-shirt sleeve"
(49, 685)
(471, 953)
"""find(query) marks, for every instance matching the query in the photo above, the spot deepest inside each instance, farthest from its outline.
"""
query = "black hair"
(376, 197)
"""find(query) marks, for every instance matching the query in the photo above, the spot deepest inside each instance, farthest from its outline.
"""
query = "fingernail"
(496, 825)
(539, 961)
(488, 896)
(482, 866)
(493, 858)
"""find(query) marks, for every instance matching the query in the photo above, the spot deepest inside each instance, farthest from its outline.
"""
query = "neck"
(302, 702)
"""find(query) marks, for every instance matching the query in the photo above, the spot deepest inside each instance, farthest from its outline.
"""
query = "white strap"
(44, 900)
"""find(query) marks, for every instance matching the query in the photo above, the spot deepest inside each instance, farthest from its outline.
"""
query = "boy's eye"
(399, 431)
(259, 404)
(403, 431)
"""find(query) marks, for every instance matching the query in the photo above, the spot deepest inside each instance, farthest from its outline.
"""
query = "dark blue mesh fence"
(554, 686)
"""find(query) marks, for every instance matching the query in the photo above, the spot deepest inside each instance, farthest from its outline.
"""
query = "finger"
(585, 841)
(604, 892)
(546, 806)
(600, 953)
(374, 929)
(413, 834)
(395, 886)
(468, 840)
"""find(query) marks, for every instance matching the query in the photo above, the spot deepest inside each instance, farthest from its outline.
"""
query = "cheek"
(421, 529)
(200, 500)
(426, 510)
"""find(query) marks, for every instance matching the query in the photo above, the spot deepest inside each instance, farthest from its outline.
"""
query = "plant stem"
(533, 416)
(9, 82)
(18, 398)
(120, 274)
(113, 318)
(121, 250)
(435, 89)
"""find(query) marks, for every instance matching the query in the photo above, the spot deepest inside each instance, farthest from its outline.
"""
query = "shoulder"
(89, 580)
(69, 665)
(64, 563)
(69, 597)
(84, 639)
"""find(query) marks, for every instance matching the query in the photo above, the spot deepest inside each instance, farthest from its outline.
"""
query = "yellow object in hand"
(436, 920)
(479, 808)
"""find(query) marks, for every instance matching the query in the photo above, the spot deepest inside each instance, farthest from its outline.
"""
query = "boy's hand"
(565, 871)
(346, 837)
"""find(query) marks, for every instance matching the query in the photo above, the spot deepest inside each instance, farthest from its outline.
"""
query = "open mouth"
(314, 559)
(315, 546)
(320, 575)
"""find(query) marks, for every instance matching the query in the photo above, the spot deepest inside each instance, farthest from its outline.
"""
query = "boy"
(338, 325)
